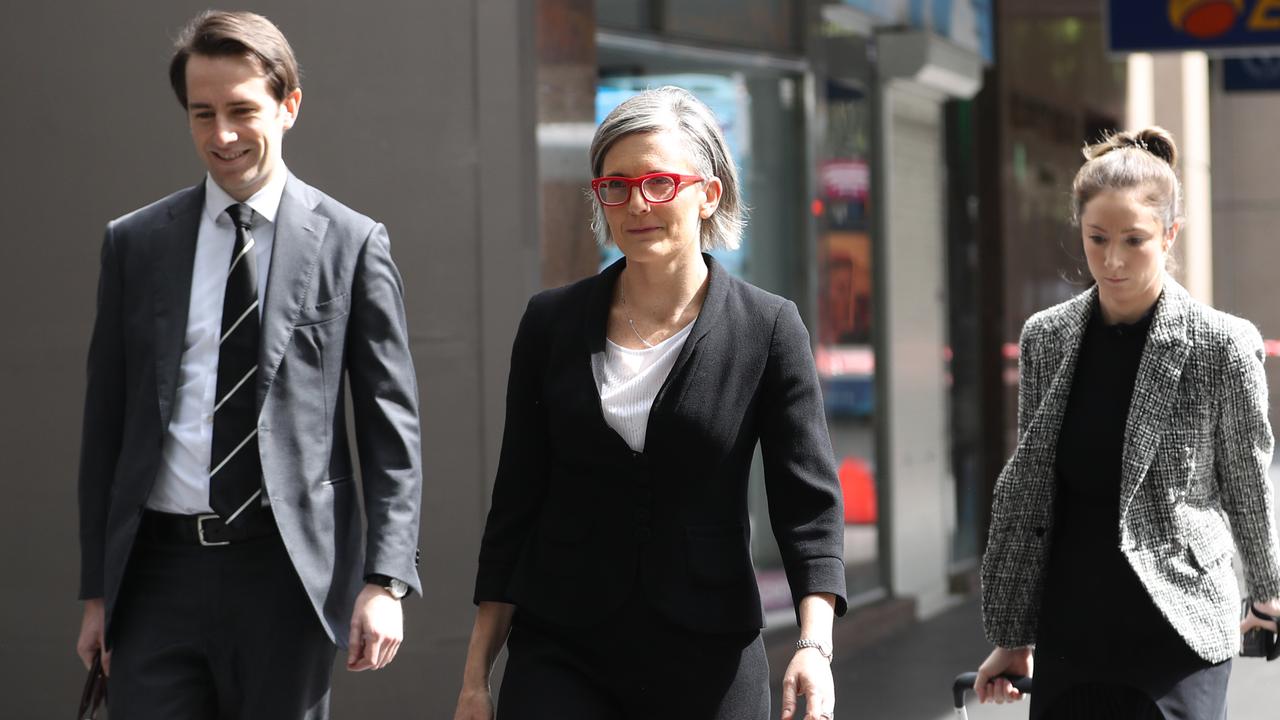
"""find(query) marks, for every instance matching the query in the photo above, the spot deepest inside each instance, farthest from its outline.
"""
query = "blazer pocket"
(322, 312)
(1207, 558)
(718, 554)
(562, 545)
(1209, 544)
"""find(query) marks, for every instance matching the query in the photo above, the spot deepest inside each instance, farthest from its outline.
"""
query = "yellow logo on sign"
(1207, 19)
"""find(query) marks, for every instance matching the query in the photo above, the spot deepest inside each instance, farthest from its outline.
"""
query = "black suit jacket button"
(1039, 532)
(643, 534)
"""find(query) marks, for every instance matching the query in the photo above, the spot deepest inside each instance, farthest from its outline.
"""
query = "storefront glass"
(843, 348)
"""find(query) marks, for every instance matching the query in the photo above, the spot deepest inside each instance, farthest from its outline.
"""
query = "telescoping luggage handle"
(964, 683)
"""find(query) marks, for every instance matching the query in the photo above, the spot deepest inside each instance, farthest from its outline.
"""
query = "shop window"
(844, 351)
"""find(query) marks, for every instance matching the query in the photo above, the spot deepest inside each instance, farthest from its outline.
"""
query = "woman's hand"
(474, 703)
(809, 674)
(990, 687)
(1270, 607)
(493, 624)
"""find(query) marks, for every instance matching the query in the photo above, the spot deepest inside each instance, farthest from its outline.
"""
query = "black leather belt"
(207, 530)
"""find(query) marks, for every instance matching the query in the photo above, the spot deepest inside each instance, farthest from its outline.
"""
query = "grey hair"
(676, 109)
(1126, 160)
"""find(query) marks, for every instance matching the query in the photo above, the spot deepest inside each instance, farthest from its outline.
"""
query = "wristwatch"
(397, 588)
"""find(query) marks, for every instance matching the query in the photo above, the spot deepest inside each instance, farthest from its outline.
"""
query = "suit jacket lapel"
(595, 318)
(1068, 332)
(294, 254)
(708, 316)
(677, 381)
(1159, 373)
(174, 253)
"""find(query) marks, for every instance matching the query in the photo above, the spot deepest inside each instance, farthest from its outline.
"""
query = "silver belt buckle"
(200, 531)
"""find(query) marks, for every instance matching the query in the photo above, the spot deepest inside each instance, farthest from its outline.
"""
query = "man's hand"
(377, 628)
(92, 626)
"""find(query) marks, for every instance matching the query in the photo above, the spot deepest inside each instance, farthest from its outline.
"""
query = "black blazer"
(578, 521)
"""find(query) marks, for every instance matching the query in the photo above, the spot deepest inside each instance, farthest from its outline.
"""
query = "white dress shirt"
(629, 381)
(182, 483)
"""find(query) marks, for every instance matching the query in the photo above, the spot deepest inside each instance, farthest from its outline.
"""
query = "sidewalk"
(908, 676)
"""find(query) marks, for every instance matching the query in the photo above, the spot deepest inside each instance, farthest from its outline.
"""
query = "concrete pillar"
(1172, 90)
(1246, 213)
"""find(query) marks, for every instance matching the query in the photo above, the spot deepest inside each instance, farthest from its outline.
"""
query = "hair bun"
(1155, 140)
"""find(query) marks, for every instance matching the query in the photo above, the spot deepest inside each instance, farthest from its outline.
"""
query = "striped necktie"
(235, 470)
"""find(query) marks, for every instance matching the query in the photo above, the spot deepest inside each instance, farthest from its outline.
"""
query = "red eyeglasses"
(655, 187)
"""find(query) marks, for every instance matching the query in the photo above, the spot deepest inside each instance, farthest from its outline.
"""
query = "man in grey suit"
(223, 553)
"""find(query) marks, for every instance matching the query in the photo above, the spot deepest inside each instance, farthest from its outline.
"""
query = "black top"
(1095, 613)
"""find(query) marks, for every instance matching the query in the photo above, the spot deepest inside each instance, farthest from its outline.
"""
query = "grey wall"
(414, 113)
(1246, 213)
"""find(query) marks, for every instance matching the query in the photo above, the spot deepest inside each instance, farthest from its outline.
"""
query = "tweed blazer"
(1197, 448)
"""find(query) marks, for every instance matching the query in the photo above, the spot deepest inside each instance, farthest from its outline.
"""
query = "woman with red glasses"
(616, 563)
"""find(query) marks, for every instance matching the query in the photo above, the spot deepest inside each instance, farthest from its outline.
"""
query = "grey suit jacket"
(1197, 450)
(333, 308)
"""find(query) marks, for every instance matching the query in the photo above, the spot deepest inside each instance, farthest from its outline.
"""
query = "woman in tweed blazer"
(1143, 451)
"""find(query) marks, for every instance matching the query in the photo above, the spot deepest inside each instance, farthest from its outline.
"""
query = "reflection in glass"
(844, 352)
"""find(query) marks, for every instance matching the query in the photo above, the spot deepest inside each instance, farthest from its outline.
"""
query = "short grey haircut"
(676, 109)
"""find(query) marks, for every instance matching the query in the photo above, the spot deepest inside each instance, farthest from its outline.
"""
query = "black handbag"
(93, 700)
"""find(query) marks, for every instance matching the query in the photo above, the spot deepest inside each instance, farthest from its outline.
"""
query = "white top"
(182, 483)
(629, 381)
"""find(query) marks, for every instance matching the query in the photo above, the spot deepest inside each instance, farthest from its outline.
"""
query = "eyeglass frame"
(638, 182)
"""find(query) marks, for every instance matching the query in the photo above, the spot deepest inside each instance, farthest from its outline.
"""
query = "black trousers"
(636, 666)
(217, 633)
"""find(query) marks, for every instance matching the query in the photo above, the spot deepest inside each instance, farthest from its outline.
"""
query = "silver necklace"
(623, 291)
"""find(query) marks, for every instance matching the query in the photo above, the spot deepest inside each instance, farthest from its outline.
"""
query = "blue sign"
(1251, 74)
(1218, 26)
